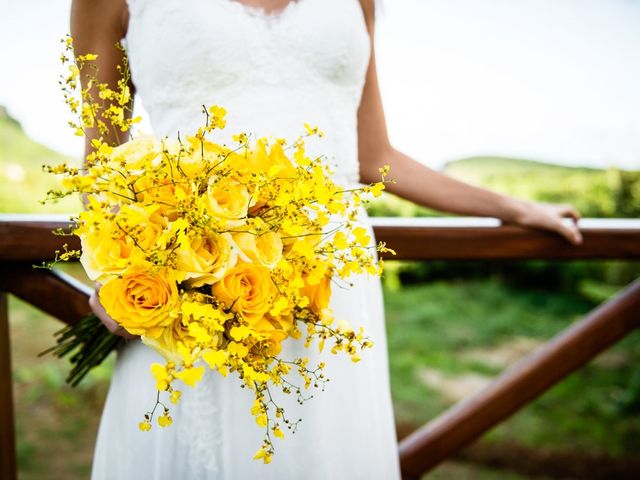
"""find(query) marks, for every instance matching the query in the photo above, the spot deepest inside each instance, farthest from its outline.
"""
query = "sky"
(551, 80)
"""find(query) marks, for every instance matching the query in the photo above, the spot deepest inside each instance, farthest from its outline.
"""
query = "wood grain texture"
(55, 293)
(28, 238)
(523, 382)
(7, 426)
(486, 239)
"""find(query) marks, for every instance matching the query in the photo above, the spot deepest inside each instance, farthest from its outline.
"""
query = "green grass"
(442, 326)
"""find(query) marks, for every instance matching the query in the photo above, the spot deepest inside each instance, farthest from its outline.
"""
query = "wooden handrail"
(28, 239)
(486, 239)
(44, 289)
(521, 383)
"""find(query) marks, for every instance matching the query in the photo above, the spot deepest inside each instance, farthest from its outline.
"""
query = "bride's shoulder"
(102, 17)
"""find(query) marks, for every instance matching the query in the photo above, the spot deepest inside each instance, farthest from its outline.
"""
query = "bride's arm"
(422, 185)
(96, 27)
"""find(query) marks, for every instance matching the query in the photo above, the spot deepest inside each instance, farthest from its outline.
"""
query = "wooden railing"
(25, 240)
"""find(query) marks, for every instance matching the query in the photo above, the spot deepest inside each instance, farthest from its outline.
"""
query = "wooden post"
(517, 386)
(7, 427)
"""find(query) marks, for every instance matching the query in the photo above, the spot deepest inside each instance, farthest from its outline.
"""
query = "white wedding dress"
(273, 73)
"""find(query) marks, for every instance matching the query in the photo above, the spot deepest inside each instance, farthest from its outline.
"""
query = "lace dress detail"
(272, 71)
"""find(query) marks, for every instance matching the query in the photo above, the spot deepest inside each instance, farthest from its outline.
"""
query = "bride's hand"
(547, 216)
(101, 313)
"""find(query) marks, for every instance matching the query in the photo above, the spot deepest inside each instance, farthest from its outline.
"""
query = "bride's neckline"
(262, 12)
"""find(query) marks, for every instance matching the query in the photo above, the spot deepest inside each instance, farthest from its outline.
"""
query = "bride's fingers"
(569, 211)
(569, 231)
(98, 309)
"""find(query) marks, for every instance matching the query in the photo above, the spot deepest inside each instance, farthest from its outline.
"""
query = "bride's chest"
(227, 43)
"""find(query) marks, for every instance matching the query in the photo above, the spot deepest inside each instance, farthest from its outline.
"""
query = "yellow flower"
(165, 420)
(207, 315)
(144, 426)
(265, 249)
(109, 249)
(227, 199)
(135, 153)
(377, 188)
(274, 330)
(191, 375)
(239, 333)
(362, 237)
(262, 420)
(304, 246)
(215, 358)
(166, 344)
(263, 454)
(103, 256)
(206, 259)
(280, 165)
(161, 375)
(141, 301)
(237, 349)
(318, 294)
(175, 395)
(218, 115)
(248, 290)
(340, 241)
(73, 70)
(159, 192)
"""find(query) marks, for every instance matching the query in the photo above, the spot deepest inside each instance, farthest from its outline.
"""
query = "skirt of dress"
(347, 431)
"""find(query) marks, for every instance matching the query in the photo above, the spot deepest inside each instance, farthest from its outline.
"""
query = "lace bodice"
(272, 72)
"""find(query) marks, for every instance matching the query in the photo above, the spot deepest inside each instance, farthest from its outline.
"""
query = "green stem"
(87, 343)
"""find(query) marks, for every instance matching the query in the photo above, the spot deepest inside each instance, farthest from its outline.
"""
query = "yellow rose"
(146, 235)
(228, 200)
(108, 252)
(206, 259)
(103, 256)
(275, 331)
(265, 249)
(167, 343)
(135, 153)
(248, 290)
(274, 161)
(318, 294)
(141, 301)
(161, 192)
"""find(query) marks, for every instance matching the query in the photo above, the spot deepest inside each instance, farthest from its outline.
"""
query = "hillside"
(595, 192)
(483, 166)
(22, 182)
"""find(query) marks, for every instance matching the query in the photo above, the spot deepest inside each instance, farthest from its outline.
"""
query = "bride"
(274, 65)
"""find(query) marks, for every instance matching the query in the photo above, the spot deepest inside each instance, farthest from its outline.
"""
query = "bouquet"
(215, 255)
